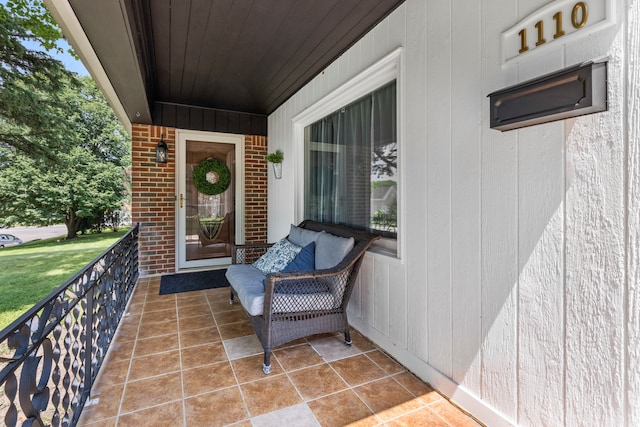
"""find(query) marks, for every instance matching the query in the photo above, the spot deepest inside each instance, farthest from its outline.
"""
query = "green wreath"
(211, 165)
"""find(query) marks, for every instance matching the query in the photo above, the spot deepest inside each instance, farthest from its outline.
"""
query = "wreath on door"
(211, 176)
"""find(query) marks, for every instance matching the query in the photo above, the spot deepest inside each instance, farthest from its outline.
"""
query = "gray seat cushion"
(246, 280)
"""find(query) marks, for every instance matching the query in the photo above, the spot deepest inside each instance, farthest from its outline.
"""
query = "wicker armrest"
(246, 254)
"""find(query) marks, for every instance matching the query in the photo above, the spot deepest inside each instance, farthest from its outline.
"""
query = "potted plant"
(276, 159)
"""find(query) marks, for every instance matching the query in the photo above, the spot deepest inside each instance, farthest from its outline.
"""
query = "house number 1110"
(579, 16)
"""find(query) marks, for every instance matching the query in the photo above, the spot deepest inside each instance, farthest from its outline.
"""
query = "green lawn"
(31, 271)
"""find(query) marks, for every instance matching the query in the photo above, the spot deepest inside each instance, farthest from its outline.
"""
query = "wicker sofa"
(285, 306)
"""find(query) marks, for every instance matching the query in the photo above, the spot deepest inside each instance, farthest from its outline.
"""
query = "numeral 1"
(540, 28)
(523, 40)
(559, 31)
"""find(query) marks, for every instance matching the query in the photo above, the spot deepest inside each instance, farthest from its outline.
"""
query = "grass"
(29, 272)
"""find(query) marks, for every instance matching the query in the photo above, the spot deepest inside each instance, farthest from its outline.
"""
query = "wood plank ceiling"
(245, 56)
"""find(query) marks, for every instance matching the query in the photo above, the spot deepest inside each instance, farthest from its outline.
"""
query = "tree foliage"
(85, 179)
(30, 84)
(63, 153)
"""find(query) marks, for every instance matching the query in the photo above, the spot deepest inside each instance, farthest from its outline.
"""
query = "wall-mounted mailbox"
(574, 91)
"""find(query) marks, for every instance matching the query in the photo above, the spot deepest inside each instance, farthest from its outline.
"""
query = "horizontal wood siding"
(208, 119)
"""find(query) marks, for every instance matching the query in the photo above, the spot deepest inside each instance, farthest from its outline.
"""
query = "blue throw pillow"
(305, 260)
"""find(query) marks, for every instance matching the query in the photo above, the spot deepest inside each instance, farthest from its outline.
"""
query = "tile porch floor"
(191, 359)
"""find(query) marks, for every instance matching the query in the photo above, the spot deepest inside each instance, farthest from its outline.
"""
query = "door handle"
(181, 199)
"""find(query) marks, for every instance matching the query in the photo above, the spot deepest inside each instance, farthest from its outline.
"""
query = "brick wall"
(153, 200)
(255, 221)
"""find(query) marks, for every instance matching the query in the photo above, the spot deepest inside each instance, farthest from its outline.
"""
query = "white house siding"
(518, 290)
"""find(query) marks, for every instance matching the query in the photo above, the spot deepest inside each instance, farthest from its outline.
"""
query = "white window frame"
(385, 70)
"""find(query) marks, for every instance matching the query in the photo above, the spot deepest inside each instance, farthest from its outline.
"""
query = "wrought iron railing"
(49, 357)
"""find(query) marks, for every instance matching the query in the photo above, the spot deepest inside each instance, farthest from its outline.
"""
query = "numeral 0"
(584, 14)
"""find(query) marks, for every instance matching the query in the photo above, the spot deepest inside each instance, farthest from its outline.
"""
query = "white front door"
(209, 213)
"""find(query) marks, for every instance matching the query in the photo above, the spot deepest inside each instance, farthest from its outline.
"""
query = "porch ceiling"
(245, 56)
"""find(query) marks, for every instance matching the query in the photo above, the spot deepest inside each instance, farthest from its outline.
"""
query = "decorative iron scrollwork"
(59, 345)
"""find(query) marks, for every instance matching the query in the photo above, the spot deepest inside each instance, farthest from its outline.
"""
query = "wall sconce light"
(161, 151)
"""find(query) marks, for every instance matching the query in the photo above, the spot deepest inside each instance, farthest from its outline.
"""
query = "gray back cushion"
(302, 237)
(330, 250)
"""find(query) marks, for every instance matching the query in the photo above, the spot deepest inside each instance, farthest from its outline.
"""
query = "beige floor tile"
(121, 350)
(154, 297)
(418, 388)
(341, 409)
(357, 370)
(423, 417)
(219, 304)
(191, 296)
(218, 293)
(188, 305)
(317, 381)
(193, 357)
(169, 414)
(235, 330)
(154, 345)
(104, 405)
(111, 422)
(196, 322)
(194, 310)
(127, 332)
(207, 378)
(159, 316)
(199, 336)
(159, 305)
(218, 408)
(111, 373)
(154, 364)
(281, 395)
(298, 415)
(388, 399)
(361, 342)
(150, 330)
(452, 415)
(152, 391)
(249, 368)
(298, 357)
(220, 392)
(245, 346)
(334, 348)
(225, 317)
(385, 362)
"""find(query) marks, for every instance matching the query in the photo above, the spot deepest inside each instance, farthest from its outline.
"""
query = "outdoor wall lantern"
(161, 151)
(574, 91)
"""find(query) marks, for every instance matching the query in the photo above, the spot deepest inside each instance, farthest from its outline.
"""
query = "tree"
(30, 84)
(76, 187)
(85, 178)
(62, 151)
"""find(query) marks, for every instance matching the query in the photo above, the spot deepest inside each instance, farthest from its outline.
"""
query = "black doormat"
(196, 281)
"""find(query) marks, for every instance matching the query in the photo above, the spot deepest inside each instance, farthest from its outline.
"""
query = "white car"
(9, 240)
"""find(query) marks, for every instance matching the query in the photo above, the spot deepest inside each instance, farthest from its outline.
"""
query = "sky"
(69, 61)
(65, 57)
